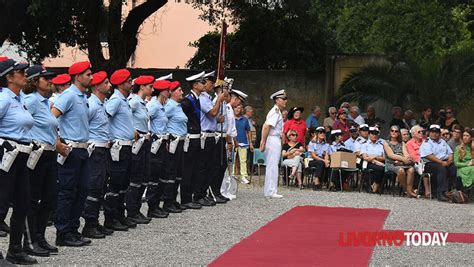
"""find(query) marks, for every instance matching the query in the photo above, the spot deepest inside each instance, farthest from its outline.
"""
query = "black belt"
(16, 141)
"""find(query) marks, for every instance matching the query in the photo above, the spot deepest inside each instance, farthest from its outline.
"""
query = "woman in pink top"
(413, 148)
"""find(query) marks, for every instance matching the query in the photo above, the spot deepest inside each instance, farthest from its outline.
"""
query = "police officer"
(160, 182)
(61, 82)
(271, 143)
(176, 127)
(209, 118)
(320, 151)
(372, 152)
(362, 139)
(99, 150)
(142, 88)
(192, 144)
(42, 161)
(349, 143)
(439, 162)
(122, 134)
(15, 139)
(73, 171)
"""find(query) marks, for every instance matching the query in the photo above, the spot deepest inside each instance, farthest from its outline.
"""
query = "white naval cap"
(320, 129)
(195, 77)
(334, 132)
(374, 129)
(435, 128)
(209, 75)
(281, 93)
(166, 77)
(239, 94)
(364, 126)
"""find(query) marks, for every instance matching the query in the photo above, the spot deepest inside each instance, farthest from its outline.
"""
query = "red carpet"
(307, 235)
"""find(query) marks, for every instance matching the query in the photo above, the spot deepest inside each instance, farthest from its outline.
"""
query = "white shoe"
(231, 197)
(244, 180)
(275, 196)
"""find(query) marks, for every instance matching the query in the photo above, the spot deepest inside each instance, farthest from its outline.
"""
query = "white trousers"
(272, 155)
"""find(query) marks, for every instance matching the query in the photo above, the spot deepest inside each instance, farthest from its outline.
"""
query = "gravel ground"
(198, 237)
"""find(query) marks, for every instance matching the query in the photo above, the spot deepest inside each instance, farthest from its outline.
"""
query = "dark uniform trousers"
(191, 173)
(158, 163)
(175, 171)
(43, 194)
(117, 185)
(377, 175)
(320, 168)
(445, 177)
(146, 174)
(15, 187)
(207, 168)
(220, 166)
(137, 177)
(73, 185)
(98, 165)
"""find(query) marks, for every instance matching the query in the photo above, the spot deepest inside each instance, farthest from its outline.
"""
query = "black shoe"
(178, 206)
(210, 200)
(20, 257)
(443, 198)
(105, 231)
(127, 222)
(68, 240)
(3, 234)
(92, 232)
(192, 205)
(45, 245)
(316, 187)
(4, 227)
(35, 250)
(223, 197)
(204, 202)
(115, 225)
(144, 217)
(138, 220)
(157, 213)
(220, 200)
(82, 239)
(171, 208)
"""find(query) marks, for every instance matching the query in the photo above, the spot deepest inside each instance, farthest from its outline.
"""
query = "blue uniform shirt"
(45, 128)
(208, 123)
(373, 149)
(120, 117)
(15, 121)
(177, 120)
(222, 126)
(358, 143)
(319, 148)
(98, 120)
(439, 149)
(158, 118)
(349, 144)
(140, 113)
(335, 146)
(74, 121)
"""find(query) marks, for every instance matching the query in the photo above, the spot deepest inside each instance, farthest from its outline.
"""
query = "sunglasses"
(449, 112)
(394, 131)
(446, 134)
(332, 113)
(374, 133)
(283, 98)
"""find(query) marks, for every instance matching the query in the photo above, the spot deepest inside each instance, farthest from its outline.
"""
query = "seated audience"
(426, 119)
(463, 159)
(409, 120)
(373, 152)
(450, 119)
(342, 124)
(439, 161)
(313, 119)
(329, 121)
(397, 117)
(292, 156)
(371, 119)
(445, 134)
(295, 122)
(320, 151)
(413, 148)
(405, 134)
(456, 137)
(355, 116)
(398, 161)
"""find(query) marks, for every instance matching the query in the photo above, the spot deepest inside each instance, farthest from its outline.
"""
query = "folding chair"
(258, 160)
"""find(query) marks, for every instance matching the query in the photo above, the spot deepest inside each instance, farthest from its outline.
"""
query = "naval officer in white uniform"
(271, 143)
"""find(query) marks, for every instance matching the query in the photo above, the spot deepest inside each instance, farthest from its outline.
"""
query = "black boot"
(82, 239)
(192, 205)
(220, 200)
(34, 249)
(105, 231)
(138, 219)
(92, 232)
(68, 240)
(169, 207)
(16, 255)
(157, 213)
(115, 225)
(45, 245)
(4, 227)
(127, 222)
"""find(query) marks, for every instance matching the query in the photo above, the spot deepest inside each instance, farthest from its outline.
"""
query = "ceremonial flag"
(221, 59)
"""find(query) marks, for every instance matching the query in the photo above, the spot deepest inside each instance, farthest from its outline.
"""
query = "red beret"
(79, 67)
(3, 58)
(119, 76)
(341, 111)
(98, 77)
(174, 85)
(162, 85)
(61, 79)
(142, 80)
